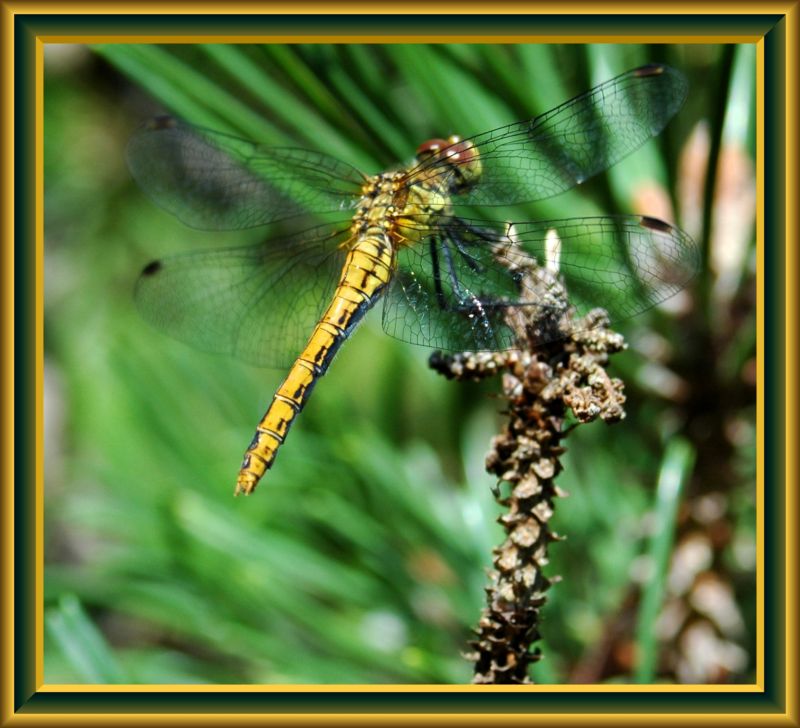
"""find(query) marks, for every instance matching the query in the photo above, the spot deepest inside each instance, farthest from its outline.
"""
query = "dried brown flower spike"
(541, 383)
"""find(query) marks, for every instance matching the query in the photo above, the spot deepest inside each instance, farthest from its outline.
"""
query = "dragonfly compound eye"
(430, 148)
(462, 156)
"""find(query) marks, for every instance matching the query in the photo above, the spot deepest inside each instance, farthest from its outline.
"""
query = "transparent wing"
(214, 181)
(539, 158)
(450, 293)
(258, 303)
(454, 290)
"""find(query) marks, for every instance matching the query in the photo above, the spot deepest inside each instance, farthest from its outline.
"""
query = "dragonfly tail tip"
(245, 485)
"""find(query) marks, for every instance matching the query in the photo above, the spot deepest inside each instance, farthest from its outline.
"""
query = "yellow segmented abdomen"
(366, 271)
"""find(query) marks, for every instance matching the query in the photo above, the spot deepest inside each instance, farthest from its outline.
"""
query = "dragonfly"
(400, 236)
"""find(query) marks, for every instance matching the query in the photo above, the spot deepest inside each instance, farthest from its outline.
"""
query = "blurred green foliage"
(362, 556)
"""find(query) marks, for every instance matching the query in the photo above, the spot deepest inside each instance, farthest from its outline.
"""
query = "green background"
(362, 556)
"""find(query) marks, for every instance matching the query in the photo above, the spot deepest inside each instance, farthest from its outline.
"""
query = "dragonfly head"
(460, 156)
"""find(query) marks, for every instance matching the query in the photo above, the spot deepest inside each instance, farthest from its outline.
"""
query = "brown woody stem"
(541, 383)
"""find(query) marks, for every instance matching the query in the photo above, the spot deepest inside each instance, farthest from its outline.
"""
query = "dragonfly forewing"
(551, 153)
(214, 181)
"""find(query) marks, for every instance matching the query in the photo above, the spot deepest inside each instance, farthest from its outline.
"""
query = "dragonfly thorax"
(378, 204)
(400, 206)
(396, 210)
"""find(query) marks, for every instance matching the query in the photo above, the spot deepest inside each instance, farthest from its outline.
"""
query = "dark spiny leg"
(437, 275)
(470, 304)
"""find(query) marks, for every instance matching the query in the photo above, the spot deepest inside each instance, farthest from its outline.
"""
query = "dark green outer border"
(24, 363)
(773, 365)
(442, 25)
(27, 28)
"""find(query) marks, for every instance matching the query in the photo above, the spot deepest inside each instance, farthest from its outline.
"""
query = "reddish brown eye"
(431, 147)
(462, 152)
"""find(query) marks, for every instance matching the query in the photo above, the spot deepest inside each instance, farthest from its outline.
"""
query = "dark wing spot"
(651, 69)
(655, 224)
(161, 122)
(151, 268)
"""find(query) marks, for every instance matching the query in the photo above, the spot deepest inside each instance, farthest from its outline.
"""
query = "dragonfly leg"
(437, 274)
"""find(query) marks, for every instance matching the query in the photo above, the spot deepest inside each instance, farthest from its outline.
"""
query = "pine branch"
(541, 383)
